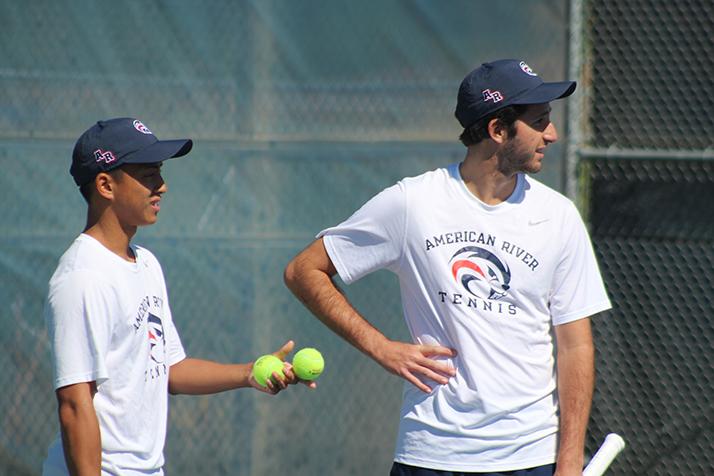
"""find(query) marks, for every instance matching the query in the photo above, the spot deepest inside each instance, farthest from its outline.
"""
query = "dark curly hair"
(474, 134)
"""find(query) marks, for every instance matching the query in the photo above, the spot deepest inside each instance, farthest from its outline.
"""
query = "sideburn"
(510, 160)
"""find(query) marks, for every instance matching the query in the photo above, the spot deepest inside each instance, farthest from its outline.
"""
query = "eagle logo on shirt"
(157, 341)
(480, 272)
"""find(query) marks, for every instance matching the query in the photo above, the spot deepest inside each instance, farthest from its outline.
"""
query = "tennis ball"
(308, 363)
(264, 367)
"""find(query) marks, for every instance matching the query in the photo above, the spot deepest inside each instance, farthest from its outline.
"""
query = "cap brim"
(160, 151)
(547, 92)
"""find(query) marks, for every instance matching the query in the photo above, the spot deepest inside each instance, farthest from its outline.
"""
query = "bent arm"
(79, 428)
(576, 380)
(200, 377)
(309, 277)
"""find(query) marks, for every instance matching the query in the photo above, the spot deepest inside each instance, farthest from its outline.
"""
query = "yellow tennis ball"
(308, 364)
(264, 367)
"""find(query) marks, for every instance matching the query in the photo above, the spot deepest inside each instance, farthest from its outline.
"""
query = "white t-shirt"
(490, 282)
(109, 321)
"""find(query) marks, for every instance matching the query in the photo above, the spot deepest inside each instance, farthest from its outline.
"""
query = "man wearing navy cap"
(496, 271)
(115, 348)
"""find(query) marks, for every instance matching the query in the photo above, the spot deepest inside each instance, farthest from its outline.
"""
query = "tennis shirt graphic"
(156, 339)
(481, 272)
(479, 279)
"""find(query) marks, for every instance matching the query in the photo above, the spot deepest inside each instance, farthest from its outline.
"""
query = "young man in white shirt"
(116, 351)
(496, 273)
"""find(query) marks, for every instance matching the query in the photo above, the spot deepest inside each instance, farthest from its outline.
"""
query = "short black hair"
(477, 132)
(86, 190)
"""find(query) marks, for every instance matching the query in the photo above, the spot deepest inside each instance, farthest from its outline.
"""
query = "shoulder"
(143, 254)
(394, 201)
(432, 178)
(409, 191)
(73, 290)
(78, 280)
(146, 260)
(547, 196)
(542, 203)
(83, 259)
(82, 266)
(429, 187)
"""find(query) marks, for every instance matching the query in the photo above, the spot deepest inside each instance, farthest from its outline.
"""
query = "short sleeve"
(372, 238)
(577, 290)
(77, 315)
(174, 349)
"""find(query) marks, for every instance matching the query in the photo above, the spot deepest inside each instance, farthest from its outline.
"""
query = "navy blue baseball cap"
(112, 143)
(493, 86)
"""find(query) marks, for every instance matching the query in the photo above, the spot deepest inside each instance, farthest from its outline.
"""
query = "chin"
(534, 167)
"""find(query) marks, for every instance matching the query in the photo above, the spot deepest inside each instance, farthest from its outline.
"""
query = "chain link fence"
(655, 360)
(647, 176)
(651, 66)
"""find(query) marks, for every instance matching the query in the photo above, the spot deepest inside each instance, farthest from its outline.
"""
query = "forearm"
(576, 377)
(81, 438)
(316, 290)
(309, 277)
(201, 377)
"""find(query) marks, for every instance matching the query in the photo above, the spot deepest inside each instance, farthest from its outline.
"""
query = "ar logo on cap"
(526, 69)
(494, 96)
(139, 126)
(106, 157)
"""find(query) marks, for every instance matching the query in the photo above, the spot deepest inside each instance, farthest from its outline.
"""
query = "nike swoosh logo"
(537, 222)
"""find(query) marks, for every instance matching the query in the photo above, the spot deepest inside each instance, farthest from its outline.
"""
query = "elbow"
(178, 377)
(176, 387)
(290, 275)
(73, 411)
(308, 269)
(172, 386)
(67, 412)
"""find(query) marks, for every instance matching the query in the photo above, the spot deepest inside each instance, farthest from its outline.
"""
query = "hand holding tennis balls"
(264, 367)
(270, 374)
(308, 364)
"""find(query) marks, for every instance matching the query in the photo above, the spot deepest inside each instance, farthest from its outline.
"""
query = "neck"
(109, 231)
(480, 174)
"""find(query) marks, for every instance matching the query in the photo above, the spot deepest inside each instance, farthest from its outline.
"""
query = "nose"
(163, 187)
(550, 134)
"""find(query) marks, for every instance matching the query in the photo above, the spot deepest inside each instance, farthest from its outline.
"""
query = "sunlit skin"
(524, 151)
(122, 200)
(490, 167)
(137, 193)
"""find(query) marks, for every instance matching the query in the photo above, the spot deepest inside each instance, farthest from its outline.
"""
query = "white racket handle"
(610, 448)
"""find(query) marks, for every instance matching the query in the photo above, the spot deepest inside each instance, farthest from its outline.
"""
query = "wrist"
(570, 463)
(377, 347)
(242, 374)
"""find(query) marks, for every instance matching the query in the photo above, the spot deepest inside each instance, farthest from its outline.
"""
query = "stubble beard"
(513, 160)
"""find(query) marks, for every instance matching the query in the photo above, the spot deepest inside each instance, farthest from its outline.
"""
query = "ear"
(497, 131)
(104, 184)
